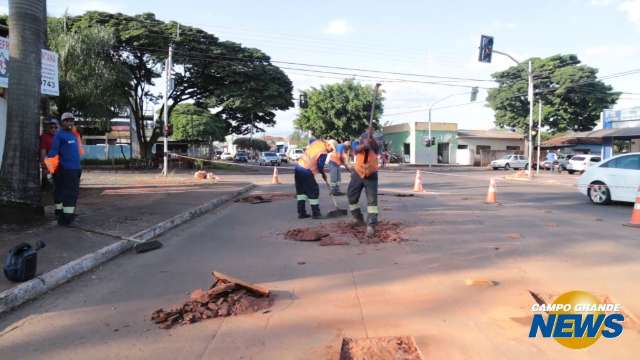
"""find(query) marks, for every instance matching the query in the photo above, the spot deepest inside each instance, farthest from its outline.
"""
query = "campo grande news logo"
(576, 319)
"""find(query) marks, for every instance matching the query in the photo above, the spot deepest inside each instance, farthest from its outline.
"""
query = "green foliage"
(251, 144)
(339, 111)
(571, 94)
(195, 124)
(90, 82)
(299, 138)
(239, 82)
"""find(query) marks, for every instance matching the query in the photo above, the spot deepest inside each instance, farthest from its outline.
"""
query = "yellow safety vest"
(366, 169)
(309, 159)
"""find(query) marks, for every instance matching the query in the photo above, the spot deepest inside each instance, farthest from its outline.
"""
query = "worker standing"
(46, 140)
(310, 164)
(366, 151)
(338, 158)
(67, 147)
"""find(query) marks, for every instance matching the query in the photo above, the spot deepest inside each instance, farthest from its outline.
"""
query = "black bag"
(21, 262)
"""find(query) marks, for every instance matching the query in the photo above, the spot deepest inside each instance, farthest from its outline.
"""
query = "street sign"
(49, 69)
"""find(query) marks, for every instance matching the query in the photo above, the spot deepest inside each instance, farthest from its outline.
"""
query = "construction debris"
(309, 234)
(227, 296)
(380, 348)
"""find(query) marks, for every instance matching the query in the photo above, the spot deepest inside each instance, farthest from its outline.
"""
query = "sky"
(436, 38)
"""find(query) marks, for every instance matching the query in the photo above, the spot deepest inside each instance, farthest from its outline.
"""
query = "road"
(543, 237)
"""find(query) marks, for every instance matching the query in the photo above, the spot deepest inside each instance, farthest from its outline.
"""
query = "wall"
(395, 141)
(496, 144)
(429, 155)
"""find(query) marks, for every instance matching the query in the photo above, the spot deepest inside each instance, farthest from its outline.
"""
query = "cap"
(53, 121)
(66, 116)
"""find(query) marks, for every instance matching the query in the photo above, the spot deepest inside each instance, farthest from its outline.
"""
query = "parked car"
(563, 161)
(269, 158)
(548, 164)
(616, 179)
(217, 154)
(241, 156)
(296, 154)
(283, 157)
(226, 156)
(580, 163)
(510, 162)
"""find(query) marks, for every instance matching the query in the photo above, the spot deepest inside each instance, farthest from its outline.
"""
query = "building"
(451, 146)
(408, 140)
(480, 147)
(624, 131)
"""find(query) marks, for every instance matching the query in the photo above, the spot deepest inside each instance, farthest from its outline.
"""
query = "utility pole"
(486, 50)
(165, 112)
(539, 136)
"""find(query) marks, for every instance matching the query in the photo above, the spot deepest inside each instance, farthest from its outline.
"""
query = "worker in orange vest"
(310, 164)
(365, 175)
(66, 149)
(338, 158)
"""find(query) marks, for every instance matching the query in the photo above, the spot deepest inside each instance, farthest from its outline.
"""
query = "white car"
(296, 154)
(616, 179)
(510, 162)
(269, 158)
(226, 156)
(580, 163)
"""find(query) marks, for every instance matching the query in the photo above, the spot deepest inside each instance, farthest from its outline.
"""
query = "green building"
(409, 140)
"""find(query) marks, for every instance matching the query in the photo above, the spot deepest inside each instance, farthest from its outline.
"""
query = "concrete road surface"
(543, 237)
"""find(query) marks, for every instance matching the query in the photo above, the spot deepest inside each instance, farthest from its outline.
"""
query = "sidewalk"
(118, 203)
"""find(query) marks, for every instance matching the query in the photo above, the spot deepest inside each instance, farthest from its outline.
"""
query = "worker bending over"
(310, 164)
(340, 157)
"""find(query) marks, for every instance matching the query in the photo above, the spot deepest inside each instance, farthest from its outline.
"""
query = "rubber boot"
(357, 216)
(315, 212)
(372, 220)
(66, 219)
(302, 211)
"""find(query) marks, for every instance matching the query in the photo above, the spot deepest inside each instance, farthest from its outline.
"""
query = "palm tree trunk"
(19, 175)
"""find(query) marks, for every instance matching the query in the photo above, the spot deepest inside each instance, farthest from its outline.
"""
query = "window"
(481, 148)
(578, 158)
(462, 147)
(513, 148)
(626, 162)
(406, 149)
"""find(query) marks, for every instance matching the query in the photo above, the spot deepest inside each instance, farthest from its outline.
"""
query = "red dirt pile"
(227, 296)
(340, 233)
(380, 348)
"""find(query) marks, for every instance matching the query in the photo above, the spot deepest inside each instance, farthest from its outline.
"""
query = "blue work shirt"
(66, 145)
(321, 159)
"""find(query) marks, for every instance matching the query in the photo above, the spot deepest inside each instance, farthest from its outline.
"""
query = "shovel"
(337, 212)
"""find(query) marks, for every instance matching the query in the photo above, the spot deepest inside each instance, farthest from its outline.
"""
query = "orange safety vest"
(337, 157)
(79, 138)
(309, 159)
(366, 169)
(52, 164)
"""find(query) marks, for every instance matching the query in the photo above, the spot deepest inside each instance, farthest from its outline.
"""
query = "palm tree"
(20, 171)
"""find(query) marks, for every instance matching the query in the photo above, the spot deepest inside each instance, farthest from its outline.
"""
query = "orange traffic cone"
(417, 184)
(635, 213)
(275, 179)
(491, 193)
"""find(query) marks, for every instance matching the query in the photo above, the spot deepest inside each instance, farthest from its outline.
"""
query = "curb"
(16, 296)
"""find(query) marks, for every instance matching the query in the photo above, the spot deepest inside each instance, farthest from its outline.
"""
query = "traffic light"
(474, 93)
(429, 142)
(486, 48)
(303, 101)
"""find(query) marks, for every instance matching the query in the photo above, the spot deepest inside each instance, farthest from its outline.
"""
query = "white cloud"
(77, 7)
(600, 2)
(631, 8)
(616, 51)
(338, 27)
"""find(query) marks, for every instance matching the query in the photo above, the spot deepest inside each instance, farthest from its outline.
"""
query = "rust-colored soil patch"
(380, 348)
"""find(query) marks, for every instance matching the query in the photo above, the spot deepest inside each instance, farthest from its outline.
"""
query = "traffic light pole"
(530, 98)
(539, 136)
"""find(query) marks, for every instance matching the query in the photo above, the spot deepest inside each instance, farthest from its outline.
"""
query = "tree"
(91, 82)
(251, 144)
(20, 170)
(339, 111)
(195, 124)
(239, 82)
(571, 94)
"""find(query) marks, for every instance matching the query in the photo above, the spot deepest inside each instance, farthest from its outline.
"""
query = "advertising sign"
(49, 69)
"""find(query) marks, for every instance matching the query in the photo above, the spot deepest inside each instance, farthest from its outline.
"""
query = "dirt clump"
(340, 233)
(227, 296)
(306, 234)
(380, 348)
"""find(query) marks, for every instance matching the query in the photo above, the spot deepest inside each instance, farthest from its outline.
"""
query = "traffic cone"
(417, 184)
(491, 193)
(635, 213)
(275, 179)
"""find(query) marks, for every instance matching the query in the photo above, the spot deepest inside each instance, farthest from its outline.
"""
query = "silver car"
(511, 161)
